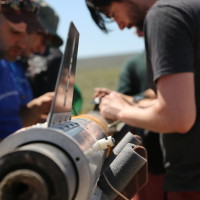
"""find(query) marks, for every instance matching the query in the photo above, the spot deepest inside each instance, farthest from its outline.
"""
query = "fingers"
(48, 94)
(101, 92)
(109, 107)
(44, 99)
(112, 104)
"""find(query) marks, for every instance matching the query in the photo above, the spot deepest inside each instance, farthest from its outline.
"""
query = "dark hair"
(98, 10)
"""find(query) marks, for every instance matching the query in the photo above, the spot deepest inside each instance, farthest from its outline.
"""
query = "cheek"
(36, 43)
(38, 40)
(7, 38)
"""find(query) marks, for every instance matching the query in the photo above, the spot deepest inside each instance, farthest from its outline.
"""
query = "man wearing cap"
(43, 69)
(16, 19)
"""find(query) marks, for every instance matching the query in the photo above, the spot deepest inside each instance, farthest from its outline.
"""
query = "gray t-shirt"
(172, 39)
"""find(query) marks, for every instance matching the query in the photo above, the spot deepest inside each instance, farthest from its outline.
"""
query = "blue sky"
(93, 42)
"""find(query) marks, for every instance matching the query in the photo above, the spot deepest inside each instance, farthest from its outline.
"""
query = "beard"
(12, 53)
(136, 16)
(140, 25)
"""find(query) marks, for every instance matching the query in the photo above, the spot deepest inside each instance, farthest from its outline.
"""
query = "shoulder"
(175, 9)
(173, 26)
(168, 19)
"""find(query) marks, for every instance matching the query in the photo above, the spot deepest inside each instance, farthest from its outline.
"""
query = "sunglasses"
(21, 5)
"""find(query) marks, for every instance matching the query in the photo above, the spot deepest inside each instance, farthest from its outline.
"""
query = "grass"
(88, 79)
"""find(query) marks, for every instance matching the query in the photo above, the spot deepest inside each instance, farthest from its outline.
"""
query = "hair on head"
(98, 10)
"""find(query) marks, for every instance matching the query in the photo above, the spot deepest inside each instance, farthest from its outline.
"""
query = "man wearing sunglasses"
(17, 20)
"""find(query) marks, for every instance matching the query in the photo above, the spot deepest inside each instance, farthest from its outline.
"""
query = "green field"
(87, 80)
(97, 72)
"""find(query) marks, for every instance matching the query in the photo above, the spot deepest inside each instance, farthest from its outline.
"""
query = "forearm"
(151, 115)
(172, 110)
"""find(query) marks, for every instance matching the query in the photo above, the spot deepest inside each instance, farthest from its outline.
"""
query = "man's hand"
(36, 110)
(101, 92)
(112, 104)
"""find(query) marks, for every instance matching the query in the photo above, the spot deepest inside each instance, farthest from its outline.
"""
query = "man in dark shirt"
(172, 39)
(43, 68)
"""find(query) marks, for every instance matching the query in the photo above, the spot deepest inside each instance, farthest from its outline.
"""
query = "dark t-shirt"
(133, 76)
(133, 81)
(172, 33)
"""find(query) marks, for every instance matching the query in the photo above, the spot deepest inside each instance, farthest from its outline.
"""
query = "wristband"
(138, 98)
